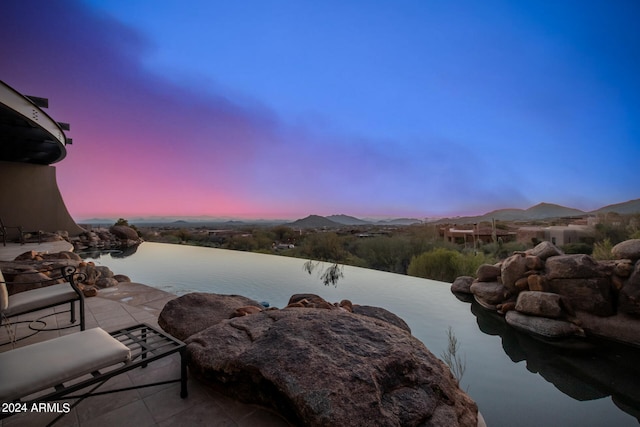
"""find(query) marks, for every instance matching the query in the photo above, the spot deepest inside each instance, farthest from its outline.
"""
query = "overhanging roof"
(27, 133)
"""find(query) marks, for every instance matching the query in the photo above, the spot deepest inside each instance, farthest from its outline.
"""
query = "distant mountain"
(539, 211)
(346, 220)
(401, 221)
(630, 207)
(544, 211)
(315, 221)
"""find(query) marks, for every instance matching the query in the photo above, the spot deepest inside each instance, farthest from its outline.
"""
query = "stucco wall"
(29, 197)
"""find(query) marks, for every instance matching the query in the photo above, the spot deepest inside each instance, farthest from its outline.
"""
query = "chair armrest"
(68, 273)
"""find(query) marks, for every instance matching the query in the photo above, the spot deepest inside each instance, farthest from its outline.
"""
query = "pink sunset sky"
(285, 109)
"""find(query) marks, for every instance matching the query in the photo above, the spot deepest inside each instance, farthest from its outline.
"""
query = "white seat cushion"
(39, 366)
(27, 301)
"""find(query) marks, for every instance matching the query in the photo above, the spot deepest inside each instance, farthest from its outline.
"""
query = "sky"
(285, 108)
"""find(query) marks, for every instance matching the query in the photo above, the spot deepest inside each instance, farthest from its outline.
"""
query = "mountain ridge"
(540, 211)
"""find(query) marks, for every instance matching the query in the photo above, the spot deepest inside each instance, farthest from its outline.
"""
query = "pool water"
(516, 380)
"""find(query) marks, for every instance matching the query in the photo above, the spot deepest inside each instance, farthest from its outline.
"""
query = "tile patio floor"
(122, 306)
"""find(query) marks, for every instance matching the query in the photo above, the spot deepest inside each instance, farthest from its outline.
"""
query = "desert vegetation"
(417, 250)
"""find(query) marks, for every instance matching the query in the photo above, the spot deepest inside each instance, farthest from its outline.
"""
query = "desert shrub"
(602, 250)
(577, 248)
(438, 264)
(468, 262)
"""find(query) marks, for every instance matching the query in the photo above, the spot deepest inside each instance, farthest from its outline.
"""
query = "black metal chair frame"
(146, 343)
(70, 275)
(21, 232)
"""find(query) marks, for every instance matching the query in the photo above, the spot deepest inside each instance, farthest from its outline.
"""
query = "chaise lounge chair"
(43, 297)
(56, 369)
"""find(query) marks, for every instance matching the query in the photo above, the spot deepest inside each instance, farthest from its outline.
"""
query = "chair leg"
(82, 321)
(183, 375)
(73, 312)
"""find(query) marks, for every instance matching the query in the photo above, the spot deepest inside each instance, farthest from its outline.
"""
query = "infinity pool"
(516, 381)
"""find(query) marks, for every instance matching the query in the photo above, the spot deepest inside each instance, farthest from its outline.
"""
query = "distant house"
(476, 235)
(557, 234)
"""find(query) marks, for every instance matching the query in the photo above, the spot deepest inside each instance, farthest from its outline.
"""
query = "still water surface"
(515, 380)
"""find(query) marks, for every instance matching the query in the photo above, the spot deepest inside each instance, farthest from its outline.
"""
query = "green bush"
(438, 264)
(602, 250)
(577, 248)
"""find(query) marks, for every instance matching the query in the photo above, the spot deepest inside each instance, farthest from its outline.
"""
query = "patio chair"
(55, 369)
(4, 231)
(21, 233)
(52, 294)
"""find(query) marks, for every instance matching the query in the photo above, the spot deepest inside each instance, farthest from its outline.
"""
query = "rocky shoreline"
(554, 296)
(115, 237)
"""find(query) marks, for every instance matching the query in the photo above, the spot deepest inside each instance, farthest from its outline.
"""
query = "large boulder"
(513, 268)
(543, 327)
(592, 295)
(629, 298)
(543, 304)
(578, 266)
(321, 367)
(488, 272)
(489, 294)
(544, 250)
(629, 249)
(192, 313)
(381, 314)
(124, 232)
(462, 284)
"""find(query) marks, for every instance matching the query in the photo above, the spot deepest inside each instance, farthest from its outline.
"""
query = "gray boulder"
(462, 284)
(513, 268)
(542, 327)
(578, 266)
(321, 367)
(123, 232)
(629, 249)
(192, 313)
(381, 314)
(491, 293)
(592, 295)
(543, 304)
(545, 250)
(629, 298)
(488, 273)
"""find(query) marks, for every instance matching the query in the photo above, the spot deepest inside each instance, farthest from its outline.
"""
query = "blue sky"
(287, 108)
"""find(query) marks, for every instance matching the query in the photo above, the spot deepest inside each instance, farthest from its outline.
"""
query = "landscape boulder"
(629, 298)
(462, 284)
(489, 293)
(488, 273)
(320, 367)
(545, 304)
(578, 266)
(592, 295)
(543, 327)
(629, 249)
(544, 250)
(513, 268)
(381, 314)
(124, 232)
(194, 312)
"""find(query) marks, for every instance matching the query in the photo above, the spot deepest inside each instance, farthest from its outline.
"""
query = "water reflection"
(113, 253)
(584, 370)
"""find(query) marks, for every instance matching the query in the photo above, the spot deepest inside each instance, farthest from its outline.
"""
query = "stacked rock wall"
(547, 293)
